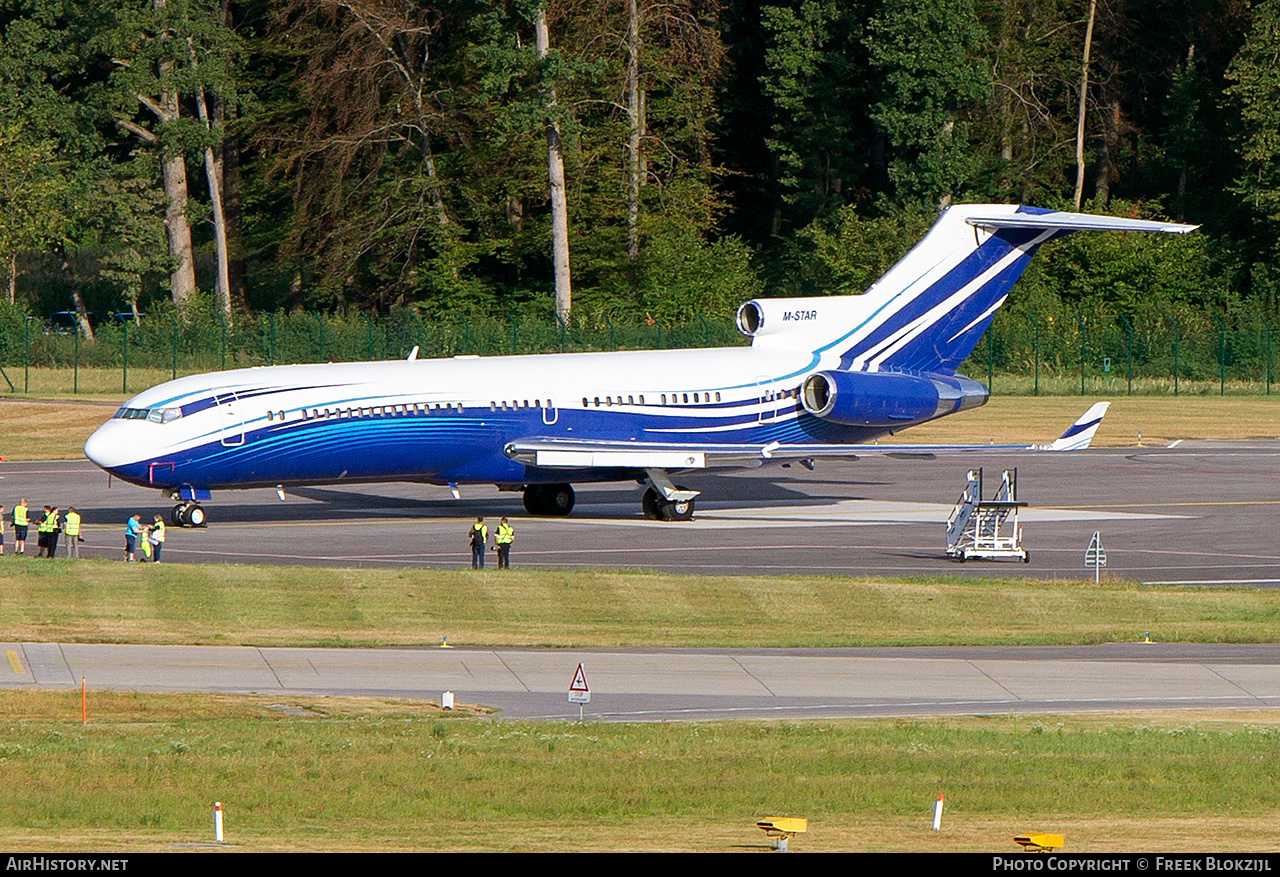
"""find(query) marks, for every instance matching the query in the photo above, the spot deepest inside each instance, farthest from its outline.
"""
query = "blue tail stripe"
(934, 338)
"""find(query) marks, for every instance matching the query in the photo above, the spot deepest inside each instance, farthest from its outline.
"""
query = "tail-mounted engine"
(887, 399)
(801, 321)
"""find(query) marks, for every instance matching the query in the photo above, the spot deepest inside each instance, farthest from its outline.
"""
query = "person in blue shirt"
(132, 530)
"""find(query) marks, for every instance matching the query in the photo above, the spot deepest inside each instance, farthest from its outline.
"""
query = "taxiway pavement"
(686, 685)
(1198, 513)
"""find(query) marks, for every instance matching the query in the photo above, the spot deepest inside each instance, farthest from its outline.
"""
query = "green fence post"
(1035, 351)
(1084, 341)
(174, 320)
(1177, 341)
(368, 325)
(124, 353)
(26, 355)
(1128, 327)
(466, 334)
(991, 360)
(3, 373)
(612, 343)
(223, 321)
(271, 326)
(564, 328)
(1222, 356)
(417, 320)
(515, 334)
(1268, 327)
(75, 380)
(320, 322)
(706, 331)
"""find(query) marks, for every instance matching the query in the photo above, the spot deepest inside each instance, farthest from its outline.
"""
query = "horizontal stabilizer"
(1076, 222)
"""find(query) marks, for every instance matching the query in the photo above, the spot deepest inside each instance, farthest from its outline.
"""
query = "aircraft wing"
(559, 453)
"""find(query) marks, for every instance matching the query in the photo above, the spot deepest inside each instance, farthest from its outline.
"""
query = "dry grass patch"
(56, 429)
(1161, 419)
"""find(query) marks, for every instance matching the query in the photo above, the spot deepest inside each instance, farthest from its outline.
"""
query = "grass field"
(105, 601)
(377, 776)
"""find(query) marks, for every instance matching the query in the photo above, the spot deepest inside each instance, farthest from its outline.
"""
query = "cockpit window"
(155, 415)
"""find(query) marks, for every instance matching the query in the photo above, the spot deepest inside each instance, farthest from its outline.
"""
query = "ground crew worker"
(42, 533)
(54, 531)
(479, 537)
(132, 529)
(71, 527)
(503, 537)
(20, 528)
(155, 535)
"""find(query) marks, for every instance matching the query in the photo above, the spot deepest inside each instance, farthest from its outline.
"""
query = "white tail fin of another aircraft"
(1080, 435)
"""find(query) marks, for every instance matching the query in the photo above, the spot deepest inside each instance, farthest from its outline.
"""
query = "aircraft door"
(768, 398)
(550, 414)
(232, 418)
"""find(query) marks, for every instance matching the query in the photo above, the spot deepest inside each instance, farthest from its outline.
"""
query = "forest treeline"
(219, 157)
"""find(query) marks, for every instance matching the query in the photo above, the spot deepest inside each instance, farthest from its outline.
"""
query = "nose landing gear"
(187, 514)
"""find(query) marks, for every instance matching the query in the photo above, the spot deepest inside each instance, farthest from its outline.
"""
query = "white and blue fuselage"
(821, 374)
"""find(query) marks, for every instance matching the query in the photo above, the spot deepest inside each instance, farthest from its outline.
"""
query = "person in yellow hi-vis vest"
(503, 537)
(53, 531)
(46, 522)
(20, 523)
(72, 528)
(155, 537)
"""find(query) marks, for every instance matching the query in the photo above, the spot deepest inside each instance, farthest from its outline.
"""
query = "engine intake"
(887, 399)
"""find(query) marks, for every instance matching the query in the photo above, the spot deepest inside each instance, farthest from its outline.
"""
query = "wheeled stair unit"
(987, 529)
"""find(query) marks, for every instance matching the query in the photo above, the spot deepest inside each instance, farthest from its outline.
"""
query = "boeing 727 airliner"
(821, 376)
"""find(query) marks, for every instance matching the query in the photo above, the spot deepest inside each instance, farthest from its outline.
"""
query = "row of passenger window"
(375, 411)
(676, 399)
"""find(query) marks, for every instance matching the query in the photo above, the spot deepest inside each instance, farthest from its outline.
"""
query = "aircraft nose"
(109, 447)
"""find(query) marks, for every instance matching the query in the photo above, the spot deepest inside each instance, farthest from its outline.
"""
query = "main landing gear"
(658, 508)
(187, 514)
(665, 500)
(550, 500)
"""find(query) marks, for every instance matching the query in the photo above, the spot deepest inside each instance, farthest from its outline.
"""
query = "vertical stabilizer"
(929, 310)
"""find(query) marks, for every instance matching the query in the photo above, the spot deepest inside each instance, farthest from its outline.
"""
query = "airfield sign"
(579, 691)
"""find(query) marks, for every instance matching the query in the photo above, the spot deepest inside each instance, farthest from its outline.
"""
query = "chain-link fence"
(1154, 352)
(166, 344)
(1047, 354)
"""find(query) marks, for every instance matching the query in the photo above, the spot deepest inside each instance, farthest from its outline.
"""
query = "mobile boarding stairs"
(987, 529)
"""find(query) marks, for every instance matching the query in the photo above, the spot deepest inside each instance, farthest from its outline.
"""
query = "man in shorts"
(132, 530)
(20, 528)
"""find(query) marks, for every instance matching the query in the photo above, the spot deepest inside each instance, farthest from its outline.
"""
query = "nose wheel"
(187, 514)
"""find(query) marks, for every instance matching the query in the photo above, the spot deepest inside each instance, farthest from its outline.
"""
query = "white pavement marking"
(859, 512)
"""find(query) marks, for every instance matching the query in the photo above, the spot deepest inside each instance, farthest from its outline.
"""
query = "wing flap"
(556, 453)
